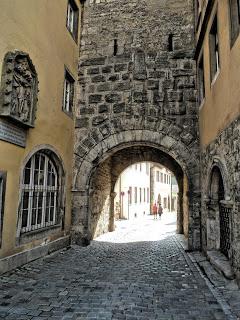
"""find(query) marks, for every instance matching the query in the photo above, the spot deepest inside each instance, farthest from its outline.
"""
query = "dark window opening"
(115, 47)
(201, 80)
(170, 42)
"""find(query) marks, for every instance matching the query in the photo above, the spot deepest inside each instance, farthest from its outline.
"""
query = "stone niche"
(19, 88)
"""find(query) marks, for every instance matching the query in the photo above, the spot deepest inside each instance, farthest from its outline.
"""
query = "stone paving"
(140, 271)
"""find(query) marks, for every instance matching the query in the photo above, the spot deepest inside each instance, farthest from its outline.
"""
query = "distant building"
(133, 192)
(162, 187)
(141, 185)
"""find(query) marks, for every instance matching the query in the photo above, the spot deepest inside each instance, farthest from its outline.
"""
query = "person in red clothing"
(154, 210)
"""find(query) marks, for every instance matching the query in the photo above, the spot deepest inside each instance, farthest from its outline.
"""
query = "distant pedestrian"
(154, 211)
(160, 210)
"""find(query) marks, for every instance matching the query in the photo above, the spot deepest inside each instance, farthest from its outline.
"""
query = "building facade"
(38, 66)
(218, 61)
(132, 189)
(140, 186)
(162, 188)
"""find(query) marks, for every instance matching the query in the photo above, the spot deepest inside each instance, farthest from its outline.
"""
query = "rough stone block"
(113, 97)
(182, 72)
(125, 76)
(174, 95)
(93, 61)
(113, 77)
(103, 108)
(107, 69)
(104, 87)
(140, 97)
(98, 120)
(93, 71)
(87, 111)
(88, 142)
(95, 98)
(119, 107)
(156, 74)
(98, 78)
(105, 130)
(82, 123)
(120, 67)
(152, 84)
(157, 97)
(190, 95)
(81, 151)
(121, 86)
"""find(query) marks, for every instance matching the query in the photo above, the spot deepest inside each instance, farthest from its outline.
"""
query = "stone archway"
(108, 158)
(134, 92)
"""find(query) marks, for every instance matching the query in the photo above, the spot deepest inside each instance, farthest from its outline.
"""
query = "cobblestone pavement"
(137, 272)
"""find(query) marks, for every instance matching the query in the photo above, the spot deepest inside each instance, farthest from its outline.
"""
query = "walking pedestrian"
(160, 210)
(154, 210)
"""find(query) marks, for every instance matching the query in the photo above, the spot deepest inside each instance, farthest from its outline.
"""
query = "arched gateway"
(99, 169)
(137, 102)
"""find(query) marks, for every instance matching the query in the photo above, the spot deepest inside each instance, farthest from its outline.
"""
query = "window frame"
(214, 48)
(73, 30)
(233, 25)
(68, 79)
(44, 189)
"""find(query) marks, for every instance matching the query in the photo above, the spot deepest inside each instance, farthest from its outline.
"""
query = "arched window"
(40, 193)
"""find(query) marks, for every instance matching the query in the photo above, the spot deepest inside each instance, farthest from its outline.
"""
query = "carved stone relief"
(19, 88)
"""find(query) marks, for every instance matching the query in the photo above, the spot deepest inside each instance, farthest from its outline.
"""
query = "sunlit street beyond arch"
(142, 229)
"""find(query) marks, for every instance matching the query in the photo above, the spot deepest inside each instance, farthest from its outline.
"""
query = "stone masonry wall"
(136, 79)
(101, 201)
(224, 152)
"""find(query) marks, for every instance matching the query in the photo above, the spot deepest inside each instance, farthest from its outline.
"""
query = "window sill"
(202, 104)
(69, 114)
(37, 234)
(215, 78)
(234, 39)
(75, 38)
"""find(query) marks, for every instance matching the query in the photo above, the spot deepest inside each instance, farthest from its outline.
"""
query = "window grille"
(40, 193)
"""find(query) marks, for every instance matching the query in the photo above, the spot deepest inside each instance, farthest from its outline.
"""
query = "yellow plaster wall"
(38, 27)
(222, 97)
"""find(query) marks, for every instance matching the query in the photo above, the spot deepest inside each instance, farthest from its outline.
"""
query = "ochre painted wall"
(222, 98)
(39, 29)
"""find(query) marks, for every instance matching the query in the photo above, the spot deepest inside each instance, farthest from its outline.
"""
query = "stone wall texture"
(224, 153)
(136, 88)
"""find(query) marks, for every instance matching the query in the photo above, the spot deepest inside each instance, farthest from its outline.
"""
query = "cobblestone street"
(140, 271)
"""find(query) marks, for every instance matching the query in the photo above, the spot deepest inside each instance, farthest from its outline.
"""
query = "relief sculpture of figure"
(22, 84)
